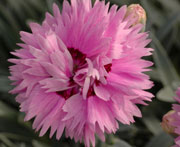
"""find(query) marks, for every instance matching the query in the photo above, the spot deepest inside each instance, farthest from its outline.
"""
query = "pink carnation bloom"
(176, 118)
(81, 71)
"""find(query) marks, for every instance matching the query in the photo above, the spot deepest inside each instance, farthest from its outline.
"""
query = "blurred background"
(163, 23)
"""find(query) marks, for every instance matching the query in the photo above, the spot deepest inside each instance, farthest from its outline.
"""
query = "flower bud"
(138, 13)
(167, 121)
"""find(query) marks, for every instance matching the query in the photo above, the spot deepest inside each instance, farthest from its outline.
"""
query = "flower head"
(176, 119)
(136, 11)
(82, 71)
(167, 122)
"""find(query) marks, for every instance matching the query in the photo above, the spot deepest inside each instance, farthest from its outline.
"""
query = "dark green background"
(164, 25)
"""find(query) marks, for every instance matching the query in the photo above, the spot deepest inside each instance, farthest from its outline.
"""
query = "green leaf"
(115, 142)
(123, 127)
(6, 111)
(38, 4)
(119, 143)
(166, 69)
(153, 13)
(153, 124)
(161, 140)
(154, 74)
(11, 126)
(4, 71)
(2, 145)
(39, 144)
(6, 141)
(15, 137)
(21, 144)
(9, 17)
(26, 7)
(5, 84)
(6, 35)
(16, 7)
(166, 94)
(170, 6)
(167, 26)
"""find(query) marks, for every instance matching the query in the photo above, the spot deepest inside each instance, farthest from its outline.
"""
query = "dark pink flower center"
(79, 61)
(90, 92)
(108, 67)
(68, 93)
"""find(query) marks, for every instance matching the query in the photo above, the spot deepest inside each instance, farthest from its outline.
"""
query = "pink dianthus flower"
(82, 71)
(176, 118)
